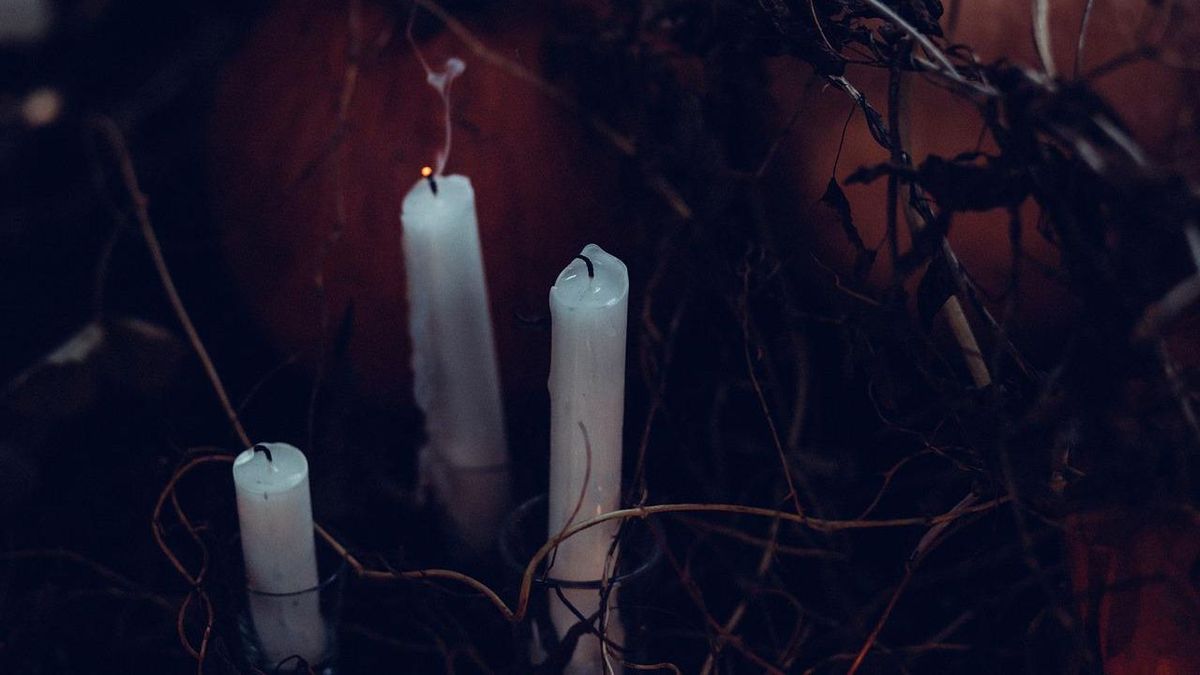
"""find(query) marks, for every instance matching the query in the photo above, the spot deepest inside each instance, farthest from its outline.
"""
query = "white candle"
(456, 382)
(588, 308)
(275, 515)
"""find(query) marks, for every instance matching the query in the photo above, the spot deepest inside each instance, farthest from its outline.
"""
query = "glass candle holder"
(294, 632)
(638, 554)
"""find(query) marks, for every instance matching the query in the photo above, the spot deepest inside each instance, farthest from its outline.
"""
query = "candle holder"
(638, 555)
(320, 654)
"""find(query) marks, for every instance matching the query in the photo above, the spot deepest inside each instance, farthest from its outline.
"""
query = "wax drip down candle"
(275, 516)
(456, 382)
(588, 307)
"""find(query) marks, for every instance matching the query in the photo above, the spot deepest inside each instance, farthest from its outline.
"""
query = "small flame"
(427, 174)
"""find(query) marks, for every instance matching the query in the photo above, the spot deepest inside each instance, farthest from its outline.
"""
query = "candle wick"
(588, 261)
(428, 174)
(265, 450)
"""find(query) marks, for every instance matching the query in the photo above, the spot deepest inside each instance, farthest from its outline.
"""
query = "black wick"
(265, 450)
(588, 261)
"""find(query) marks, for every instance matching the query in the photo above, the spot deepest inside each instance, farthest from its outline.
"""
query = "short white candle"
(455, 378)
(275, 516)
(587, 410)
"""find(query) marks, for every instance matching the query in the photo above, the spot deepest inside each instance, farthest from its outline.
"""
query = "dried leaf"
(835, 199)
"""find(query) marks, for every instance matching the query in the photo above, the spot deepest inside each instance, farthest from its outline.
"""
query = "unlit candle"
(275, 516)
(588, 307)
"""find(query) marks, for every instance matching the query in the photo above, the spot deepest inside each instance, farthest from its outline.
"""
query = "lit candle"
(275, 516)
(589, 307)
(455, 379)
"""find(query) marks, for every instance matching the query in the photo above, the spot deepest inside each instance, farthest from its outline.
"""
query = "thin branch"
(1041, 36)
(762, 400)
(879, 624)
(1082, 40)
(117, 142)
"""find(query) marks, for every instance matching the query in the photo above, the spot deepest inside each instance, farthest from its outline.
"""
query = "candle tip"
(427, 174)
(590, 268)
(261, 447)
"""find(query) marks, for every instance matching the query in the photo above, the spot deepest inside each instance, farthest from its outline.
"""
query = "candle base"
(638, 555)
(294, 632)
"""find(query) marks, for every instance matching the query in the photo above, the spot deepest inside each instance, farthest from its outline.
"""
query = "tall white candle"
(588, 308)
(456, 382)
(275, 515)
